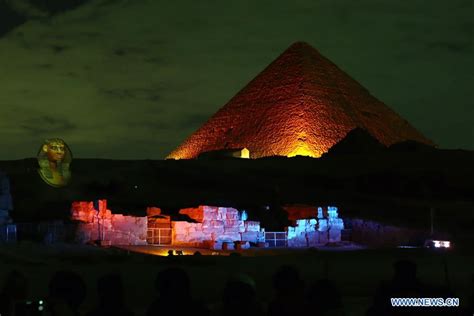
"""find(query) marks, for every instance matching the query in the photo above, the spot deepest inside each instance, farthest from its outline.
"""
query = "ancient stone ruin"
(220, 228)
(216, 228)
(97, 223)
(321, 228)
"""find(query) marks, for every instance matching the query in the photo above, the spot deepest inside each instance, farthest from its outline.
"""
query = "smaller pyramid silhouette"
(357, 141)
(301, 104)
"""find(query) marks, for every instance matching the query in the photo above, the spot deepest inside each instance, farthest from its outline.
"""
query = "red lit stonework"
(103, 226)
(215, 227)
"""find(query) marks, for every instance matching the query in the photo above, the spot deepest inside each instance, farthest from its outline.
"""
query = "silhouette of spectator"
(14, 292)
(111, 298)
(470, 305)
(66, 293)
(443, 292)
(403, 284)
(289, 293)
(174, 297)
(240, 298)
(324, 298)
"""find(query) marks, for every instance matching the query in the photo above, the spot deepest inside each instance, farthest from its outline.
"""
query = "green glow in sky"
(132, 79)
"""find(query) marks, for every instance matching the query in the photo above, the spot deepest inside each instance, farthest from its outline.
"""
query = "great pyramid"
(301, 104)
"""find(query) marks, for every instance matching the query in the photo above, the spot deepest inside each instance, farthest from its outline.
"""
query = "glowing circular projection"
(54, 159)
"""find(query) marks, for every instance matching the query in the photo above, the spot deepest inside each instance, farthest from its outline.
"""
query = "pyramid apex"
(301, 45)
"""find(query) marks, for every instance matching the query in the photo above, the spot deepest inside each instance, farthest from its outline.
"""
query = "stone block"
(320, 213)
(213, 223)
(228, 246)
(153, 211)
(197, 226)
(230, 237)
(85, 211)
(210, 212)
(291, 231)
(179, 238)
(213, 226)
(117, 229)
(216, 224)
(197, 237)
(231, 230)
(180, 226)
(221, 213)
(137, 225)
(332, 212)
(230, 223)
(250, 236)
(252, 226)
(232, 214)
(239, 245)
(313, 238)
(82, 212)
(323, 237)
(216, 245)
(323, 225)
(201, 213)
(334, 235)
(206, 224)
(216, 231)
(338, 223)
(106, 224)
(298, 242)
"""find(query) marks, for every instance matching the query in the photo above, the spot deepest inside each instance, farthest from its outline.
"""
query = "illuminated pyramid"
(301, 104)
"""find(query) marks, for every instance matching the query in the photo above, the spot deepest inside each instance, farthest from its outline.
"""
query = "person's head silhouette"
(67, 290)
(110, 289)
(14, 290)
(404, 271)
(287, 280)
(239, 296)
(173, 283)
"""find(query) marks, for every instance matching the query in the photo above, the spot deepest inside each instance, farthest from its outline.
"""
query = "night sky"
(132, 79)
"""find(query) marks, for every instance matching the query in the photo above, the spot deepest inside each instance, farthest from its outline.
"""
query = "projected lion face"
(54, 158)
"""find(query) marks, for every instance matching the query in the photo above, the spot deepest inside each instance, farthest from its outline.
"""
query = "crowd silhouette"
(174, 295)
(291, 296)
(111, 297)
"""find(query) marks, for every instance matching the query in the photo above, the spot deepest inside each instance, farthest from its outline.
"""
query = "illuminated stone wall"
(208, 226)
(301, 104)
(113, 229)
(214, 226)
(318, 231)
